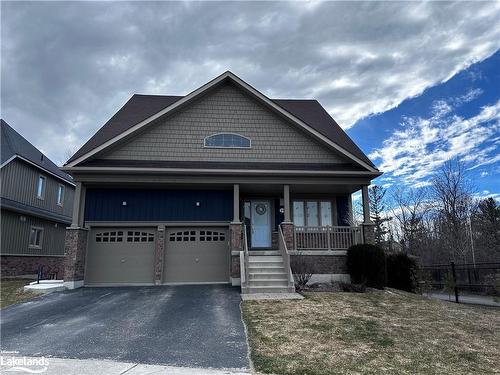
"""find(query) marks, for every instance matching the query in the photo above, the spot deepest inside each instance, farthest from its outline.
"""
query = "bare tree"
(452, 193)
(409, 210)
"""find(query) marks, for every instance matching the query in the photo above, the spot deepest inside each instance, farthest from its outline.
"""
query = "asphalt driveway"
(197, 326)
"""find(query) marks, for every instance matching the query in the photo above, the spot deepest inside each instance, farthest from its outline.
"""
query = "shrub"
(302, 269)
(402, 272)
(366, 265)
(352, 288)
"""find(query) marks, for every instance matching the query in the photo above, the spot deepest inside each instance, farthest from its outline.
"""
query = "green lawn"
(11, 291)
(376, 332)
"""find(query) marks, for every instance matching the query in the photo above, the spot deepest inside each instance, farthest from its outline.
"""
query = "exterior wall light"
(124, 203)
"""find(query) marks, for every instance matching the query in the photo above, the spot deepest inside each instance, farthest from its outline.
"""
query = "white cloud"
(422, 145)
(73, 68)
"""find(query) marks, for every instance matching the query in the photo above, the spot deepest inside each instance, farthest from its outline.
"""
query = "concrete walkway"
(467, 299)
(64, 366)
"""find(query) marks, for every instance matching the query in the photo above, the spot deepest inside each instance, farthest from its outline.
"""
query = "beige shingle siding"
(19, 183)
(180, 138)
(16, 233)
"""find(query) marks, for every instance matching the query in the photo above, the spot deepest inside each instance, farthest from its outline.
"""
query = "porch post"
(368, 225)
(286, 203)
(235, 238)
(75, 243)
(366, 205)
(78, 206)
(236, 203)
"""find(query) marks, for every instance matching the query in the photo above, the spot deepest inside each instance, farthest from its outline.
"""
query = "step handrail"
(286, 257)
(244, 259)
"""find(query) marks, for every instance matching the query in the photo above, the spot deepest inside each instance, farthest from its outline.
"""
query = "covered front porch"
(314, 217)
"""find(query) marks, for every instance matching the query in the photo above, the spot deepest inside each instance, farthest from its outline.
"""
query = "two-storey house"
(36, 207)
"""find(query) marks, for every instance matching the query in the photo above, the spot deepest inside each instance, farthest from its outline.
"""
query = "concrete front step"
(266, 275)
(268, 282)
(265, 264)
(266, 289)
(265, 258)
(263, 252)
(266, 269)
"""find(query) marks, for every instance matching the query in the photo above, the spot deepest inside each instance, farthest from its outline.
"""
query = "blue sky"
(458, 118)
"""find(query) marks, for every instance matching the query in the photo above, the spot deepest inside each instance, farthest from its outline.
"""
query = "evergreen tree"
(486, 231)
(378, 213)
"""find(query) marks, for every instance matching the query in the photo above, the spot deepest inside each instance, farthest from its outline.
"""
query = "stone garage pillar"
(159, 254)
(75, 249)
(235, 246)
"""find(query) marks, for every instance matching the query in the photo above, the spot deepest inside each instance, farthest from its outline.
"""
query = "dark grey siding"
(19, 183)
(158, 205)
(15, 235)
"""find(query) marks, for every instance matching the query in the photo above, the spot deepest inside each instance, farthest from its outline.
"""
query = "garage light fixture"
(197, 204)
(124, 203)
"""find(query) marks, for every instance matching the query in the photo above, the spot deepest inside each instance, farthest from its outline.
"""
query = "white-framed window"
(40, 188)
(227, 140)
(60, 195)
(36, 237)
(298, 214)
(312, 213)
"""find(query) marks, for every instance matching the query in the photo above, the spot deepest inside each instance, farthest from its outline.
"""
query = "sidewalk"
(467, 299)
(62, 366)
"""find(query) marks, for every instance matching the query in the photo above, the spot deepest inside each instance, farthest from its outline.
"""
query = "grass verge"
(11, 291)
(376, 332)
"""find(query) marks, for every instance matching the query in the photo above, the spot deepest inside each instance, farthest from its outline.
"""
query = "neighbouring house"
(36, 205)
(223, 185)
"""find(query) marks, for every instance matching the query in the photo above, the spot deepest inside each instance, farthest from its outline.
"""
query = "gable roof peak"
(14, 145)
(132, 117)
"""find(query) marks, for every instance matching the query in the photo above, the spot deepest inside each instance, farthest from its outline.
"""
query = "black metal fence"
(468, 278)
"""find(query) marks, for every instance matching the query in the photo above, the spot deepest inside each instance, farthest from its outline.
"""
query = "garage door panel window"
(133, 236)
(187, 235)
(114, 236)
(208, 235)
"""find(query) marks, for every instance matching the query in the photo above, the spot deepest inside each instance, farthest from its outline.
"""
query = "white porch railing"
(327, 238)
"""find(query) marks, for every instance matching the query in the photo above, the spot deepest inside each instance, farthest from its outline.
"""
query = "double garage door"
(126, 256)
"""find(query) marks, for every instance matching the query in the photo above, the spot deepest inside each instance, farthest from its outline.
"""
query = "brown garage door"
(196, 255)
(120, 256)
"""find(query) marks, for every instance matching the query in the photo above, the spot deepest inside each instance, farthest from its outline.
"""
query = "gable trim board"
(38, 167)
(200, 91)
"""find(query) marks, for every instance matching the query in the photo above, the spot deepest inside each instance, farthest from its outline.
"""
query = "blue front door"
(260, 224)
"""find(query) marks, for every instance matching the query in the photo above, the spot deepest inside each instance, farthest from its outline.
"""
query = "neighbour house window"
(60, 195)
(40, 190)
(312, 213)
(227, 140)
(36, 235)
